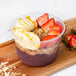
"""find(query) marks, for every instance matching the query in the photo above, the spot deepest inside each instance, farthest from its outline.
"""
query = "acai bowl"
(37, 37)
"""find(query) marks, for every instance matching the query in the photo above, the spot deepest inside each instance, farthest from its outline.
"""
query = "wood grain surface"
(64, 59)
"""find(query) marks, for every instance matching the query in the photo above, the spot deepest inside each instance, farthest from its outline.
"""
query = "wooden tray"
(64, 59)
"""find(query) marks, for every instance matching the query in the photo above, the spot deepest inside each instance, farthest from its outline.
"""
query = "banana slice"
(23, 23)
(32, 21)
(27, 40)
(22, 33)
(28, 23)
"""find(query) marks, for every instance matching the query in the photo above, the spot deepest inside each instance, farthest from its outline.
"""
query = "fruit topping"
(54, 32)
(28, 23)
(48, 44)
(59, 23)
(42, 19)
(30, 19)
(68, 37)
(56, 27)
(33, 31)
(48, 37)
(48, 24)
(28, 40)
(72, 42)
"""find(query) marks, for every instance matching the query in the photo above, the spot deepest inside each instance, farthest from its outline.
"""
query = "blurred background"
(11, 9)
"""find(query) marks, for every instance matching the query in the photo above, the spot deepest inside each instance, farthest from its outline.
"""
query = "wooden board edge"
(6, 43)
(49, 73)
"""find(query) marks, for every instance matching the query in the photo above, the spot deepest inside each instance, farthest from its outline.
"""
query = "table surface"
(10, 9)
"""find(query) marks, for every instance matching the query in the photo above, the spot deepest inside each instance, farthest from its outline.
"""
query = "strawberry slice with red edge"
(68, 37)
(72, 42)
(48, 37)
(48, 24)
(56, 27)
(54, 32)
(49, 44)
(59, 23)
(42, 19)
(65, 40)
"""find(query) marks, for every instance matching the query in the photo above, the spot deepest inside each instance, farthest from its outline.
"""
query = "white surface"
(10, 9)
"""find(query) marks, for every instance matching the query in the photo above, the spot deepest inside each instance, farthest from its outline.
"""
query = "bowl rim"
(26, 14)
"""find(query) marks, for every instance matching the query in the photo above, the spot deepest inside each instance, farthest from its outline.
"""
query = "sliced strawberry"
(59, 23)
(48, 24)
(65, 40)
(49, 44)
(56, 27)
(42, 19)
(72, 42)
(53, 32)
(48, 37)
(68, 37)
